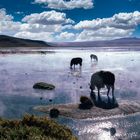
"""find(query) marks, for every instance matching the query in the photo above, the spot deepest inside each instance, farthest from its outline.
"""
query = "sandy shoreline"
(25, 51)
(72, 110)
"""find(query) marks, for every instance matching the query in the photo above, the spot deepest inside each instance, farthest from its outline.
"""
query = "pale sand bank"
(72, 110)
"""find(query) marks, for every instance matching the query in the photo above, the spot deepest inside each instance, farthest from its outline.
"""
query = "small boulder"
(50, 100)
(112, 131)
(54, 113)
(86, 103)
(83, 99)
(43, 85)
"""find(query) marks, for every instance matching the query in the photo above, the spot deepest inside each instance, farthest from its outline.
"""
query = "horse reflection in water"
(76, 72)
(104, 102)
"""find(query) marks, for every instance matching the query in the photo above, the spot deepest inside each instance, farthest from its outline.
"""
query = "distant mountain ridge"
(8, 41)
(125, 42)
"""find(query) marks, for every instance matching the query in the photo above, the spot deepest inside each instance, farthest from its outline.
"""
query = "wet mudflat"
(19, 72)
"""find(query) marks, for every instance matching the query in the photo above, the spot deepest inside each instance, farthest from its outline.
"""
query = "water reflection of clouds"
(100, 130)
(125, 128)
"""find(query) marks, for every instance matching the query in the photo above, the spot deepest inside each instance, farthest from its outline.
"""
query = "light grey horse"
(94, 57)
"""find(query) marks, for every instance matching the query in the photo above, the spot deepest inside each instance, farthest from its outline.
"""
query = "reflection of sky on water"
(20, 72)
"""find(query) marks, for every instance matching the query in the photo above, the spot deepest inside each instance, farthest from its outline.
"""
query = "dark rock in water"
(50, 100)
(80, 86)
(54, 113)
(83, 99)
(86, 103)
(41, 98)
(112, 131)
(43, 85)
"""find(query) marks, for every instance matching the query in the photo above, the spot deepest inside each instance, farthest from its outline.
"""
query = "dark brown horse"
(101, 79)
(76, 61)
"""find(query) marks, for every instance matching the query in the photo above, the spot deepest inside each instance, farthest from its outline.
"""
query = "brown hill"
(8, 41)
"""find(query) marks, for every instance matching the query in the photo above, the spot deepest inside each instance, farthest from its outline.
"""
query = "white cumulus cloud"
(7, 25)
(4, 16)
(34, 28)
(45, 36)
(103, 34)
(48, 18)
(65, 36)
(55, 26)
(69, 4)
(117, 26)
(121, 20)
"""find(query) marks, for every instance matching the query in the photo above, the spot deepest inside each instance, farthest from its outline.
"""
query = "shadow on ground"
(104, 102)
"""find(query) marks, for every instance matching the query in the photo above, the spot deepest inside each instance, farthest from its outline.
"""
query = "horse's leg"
(90, 58)
(108, 90)
(113, 91)
(80, 65)
(98, 92)
(99, 97)
(91, 90)
(96, 59)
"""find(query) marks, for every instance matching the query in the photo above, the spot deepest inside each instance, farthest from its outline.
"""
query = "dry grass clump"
(34, 128)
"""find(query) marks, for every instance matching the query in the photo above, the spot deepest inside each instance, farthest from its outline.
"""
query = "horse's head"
(71, 65)
(92, 87)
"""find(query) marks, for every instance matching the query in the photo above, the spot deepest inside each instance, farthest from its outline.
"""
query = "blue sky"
(70, 20)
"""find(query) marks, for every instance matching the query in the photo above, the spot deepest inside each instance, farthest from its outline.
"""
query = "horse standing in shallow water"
(76, 61)
(94, 57)
(101, 79)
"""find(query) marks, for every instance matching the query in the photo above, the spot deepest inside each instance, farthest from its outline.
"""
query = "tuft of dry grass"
(34, 128)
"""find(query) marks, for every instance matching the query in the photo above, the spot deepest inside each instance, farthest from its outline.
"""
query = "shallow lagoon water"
(20, 71)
